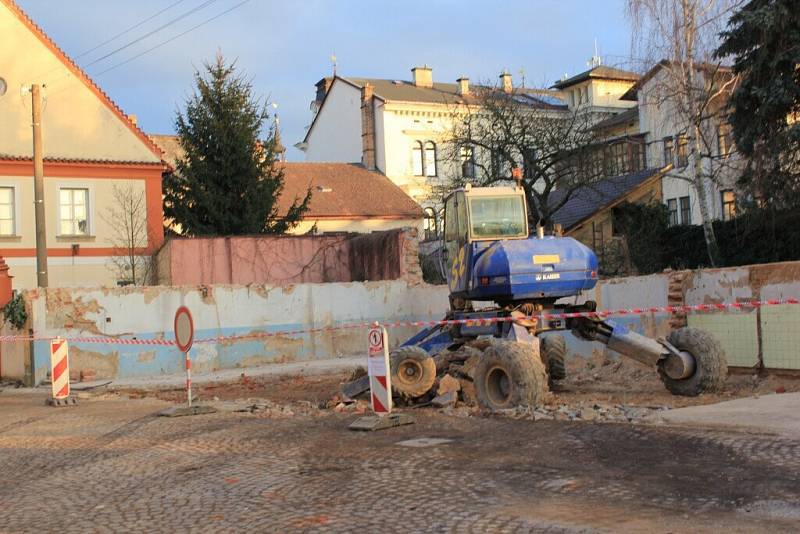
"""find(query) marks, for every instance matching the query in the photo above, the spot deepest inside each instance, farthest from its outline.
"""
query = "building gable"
(79, 121)
(335, 133)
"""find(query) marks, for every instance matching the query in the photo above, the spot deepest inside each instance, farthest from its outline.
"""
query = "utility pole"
(38, 187)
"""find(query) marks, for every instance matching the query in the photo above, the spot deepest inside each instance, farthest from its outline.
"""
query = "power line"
(172, 38)
(148, 34)
(130, 29)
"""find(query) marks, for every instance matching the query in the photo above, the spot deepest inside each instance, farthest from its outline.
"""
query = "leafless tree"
(691, 88)
(555, 148)
(127, 218)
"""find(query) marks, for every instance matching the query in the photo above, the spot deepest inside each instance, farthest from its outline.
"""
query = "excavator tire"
(510, 374)
(413, 371)
(554, 353)
(711, 366)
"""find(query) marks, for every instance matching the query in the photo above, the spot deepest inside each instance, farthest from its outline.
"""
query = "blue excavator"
(503, 283)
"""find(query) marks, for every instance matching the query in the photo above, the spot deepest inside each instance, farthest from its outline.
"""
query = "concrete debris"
(448, 399)
(468, 394)
(356, 387)
(448, 384)
(469, 366)
(618, 413)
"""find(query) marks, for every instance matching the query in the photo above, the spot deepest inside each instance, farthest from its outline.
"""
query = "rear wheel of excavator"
(554, 353)
(509, 374)
(710, 365)
(413, 371)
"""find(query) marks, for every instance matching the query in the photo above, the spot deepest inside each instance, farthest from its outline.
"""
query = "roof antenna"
(333, 61)
(595, 60)
(522, 76)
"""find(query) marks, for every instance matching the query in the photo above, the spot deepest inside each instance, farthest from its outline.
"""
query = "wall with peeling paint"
(768, 337)
(752, 338)
(147, 313)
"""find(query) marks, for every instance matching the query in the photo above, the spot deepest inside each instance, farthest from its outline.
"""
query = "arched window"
(430, 158)
(416, 158)
(429, 224)
(467, 162)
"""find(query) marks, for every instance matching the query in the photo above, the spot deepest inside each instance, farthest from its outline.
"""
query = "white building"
(667, 139)
(396, 127)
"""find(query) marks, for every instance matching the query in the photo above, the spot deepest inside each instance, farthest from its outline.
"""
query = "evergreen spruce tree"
(229, 181)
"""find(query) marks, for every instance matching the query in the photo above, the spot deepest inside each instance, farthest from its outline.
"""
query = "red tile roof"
(346, 190)
(8, 157)
(338, 190)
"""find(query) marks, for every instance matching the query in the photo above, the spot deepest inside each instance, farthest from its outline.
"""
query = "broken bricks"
(447, 399)
(448, 384)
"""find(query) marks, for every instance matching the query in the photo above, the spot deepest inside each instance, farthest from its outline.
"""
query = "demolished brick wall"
(285, 260)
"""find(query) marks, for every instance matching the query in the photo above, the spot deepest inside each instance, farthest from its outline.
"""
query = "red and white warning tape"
(747, 305)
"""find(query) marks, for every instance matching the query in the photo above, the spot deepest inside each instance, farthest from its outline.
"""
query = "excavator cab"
(489, 255)
(472, 215)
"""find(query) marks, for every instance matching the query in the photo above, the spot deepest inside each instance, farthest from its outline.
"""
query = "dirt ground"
(589, 382)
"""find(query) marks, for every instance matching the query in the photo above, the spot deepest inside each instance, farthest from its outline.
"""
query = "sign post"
(380, 386)
(184, 337)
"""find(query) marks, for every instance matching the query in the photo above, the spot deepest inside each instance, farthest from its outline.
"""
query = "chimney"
(505, 78)
(367, 128)
(463, 86)
(423, 76)
(323, 86)
(133, 119)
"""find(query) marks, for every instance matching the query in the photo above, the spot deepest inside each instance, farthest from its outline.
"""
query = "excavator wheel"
(413, 371)
(554, 352)
(509, 374)
(710, 364)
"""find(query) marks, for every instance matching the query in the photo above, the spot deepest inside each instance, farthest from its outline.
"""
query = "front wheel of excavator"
(509, 374)
(413, 371)
(710, 365)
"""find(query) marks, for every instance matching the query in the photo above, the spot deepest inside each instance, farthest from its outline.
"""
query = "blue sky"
(285, 46)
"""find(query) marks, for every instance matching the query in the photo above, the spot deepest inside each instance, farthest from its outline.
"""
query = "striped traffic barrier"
(59, 373)
(380, 381)
(380, 386)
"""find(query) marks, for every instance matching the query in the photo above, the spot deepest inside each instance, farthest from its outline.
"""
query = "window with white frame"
(724, 139)
(683, 152)
(467, 162)
(430, 158)
(73, 211)
(416, 159)
(669, 151)
(728, 204)
(672, 209)
(7, 223)
(686, 210)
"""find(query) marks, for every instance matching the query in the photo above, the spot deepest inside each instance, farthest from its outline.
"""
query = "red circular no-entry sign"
(184, 329)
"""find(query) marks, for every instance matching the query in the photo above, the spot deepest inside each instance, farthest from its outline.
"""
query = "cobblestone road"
(113, 466)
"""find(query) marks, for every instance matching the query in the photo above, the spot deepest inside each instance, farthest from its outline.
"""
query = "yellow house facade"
(92, 152)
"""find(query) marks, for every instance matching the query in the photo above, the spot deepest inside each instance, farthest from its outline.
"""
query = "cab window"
(497, 217)
(461, 224)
